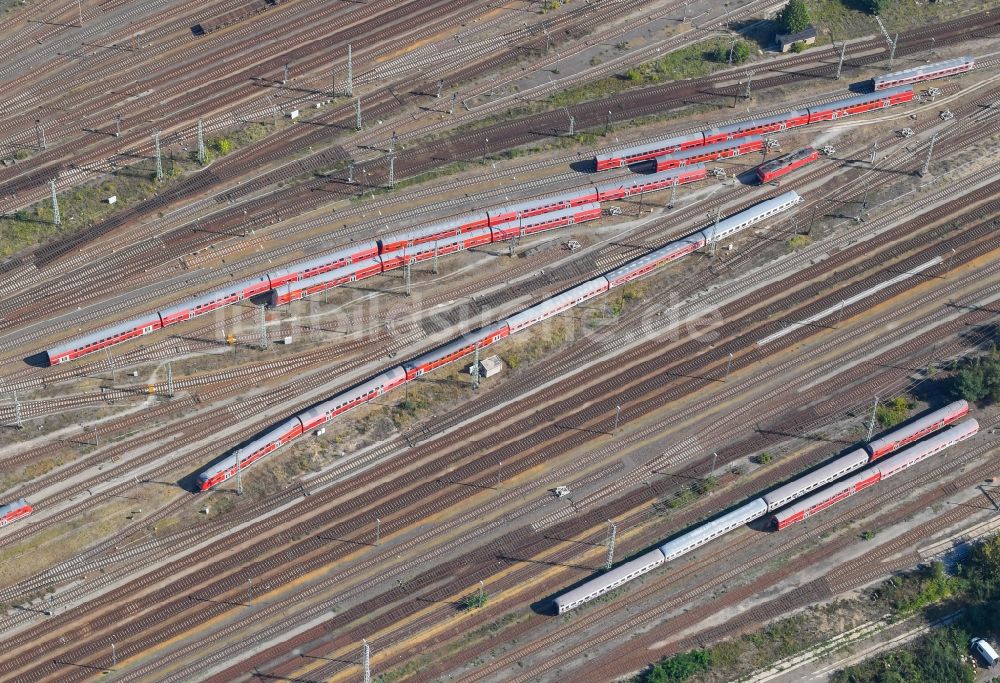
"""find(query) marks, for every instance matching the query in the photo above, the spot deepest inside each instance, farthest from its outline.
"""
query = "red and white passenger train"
(849, 106)
(927, 72)
(11, 512)
(366, 259)
(292, 428)
(774, 169)
(791, 495)
(720, 150)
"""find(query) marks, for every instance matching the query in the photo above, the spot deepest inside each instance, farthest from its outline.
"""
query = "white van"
(986, 651)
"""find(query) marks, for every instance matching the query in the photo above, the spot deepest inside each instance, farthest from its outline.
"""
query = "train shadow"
(37, 360)
(588, 166)
(189, 482)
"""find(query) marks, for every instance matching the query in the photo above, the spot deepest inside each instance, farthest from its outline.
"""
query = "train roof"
(714, 147)
(397, 374)
(332, 274)
(649, 147)
(454, 345)
(861, 99)
(954, 434)
(737, 222)
(787, 159)
(920, 424)
(925, 69)
(265, 438)
(11, 507)
(682, 244)
(103, 333)
(329, 257)
(743, 125)
(433, 228)
(557, 302)
(816, 497)
(215, 295)
(703, 532)
(814, 479)
(562, 213)
(567, 196)
(636, 178)
(639, 565)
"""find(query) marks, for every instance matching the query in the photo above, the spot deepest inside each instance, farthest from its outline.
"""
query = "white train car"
(557, 304)
(755, 214)
(710, 530)
(605, 583)
(925, 72)
(824, 475)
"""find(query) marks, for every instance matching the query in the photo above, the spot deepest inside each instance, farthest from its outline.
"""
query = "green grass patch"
(798, 241)
(691, 62)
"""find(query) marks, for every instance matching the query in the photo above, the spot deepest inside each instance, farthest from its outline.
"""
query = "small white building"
(985, 652)
(487, 367)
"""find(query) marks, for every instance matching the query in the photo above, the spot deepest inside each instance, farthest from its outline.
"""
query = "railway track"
(691, 618)
(497, 132)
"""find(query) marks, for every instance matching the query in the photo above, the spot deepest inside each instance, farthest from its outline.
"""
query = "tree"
(793, 17)
(875, 6)
(978, 381)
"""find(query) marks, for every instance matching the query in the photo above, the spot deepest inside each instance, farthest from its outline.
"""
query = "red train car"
(770, 124)
(434, 232)
(118, 334)
(918, 429)
(11, 512)
(637, 184)
(831, 495)
(293, 291)
(455, 349)
(925, 72)
(426, 250)
(860, 104)
(720, 150)
(632, 155)
(776, 168)
(323, 264)
(270, 441)
(548, 221)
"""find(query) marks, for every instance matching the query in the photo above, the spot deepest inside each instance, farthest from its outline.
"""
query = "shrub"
(475, 600)
(222, 145)
(799, 46)
(740, 50)
(799, 241)
(891, 413)
(679, 668)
